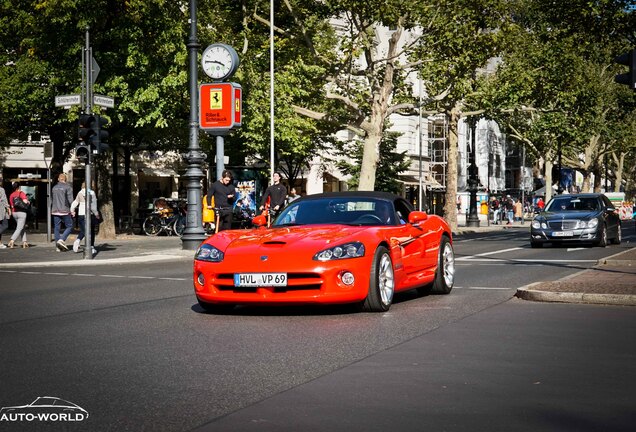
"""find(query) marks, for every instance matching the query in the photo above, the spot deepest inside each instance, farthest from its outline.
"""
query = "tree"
(390, 163)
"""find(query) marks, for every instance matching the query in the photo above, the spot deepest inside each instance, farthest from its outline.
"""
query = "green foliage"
(390, 165)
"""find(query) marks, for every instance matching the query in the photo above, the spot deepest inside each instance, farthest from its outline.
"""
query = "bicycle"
(165, 219)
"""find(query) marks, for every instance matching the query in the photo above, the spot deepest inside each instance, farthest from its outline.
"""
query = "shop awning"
(159, 172)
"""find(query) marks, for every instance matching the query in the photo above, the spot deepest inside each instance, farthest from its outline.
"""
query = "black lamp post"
(194, 233)
(473, 179)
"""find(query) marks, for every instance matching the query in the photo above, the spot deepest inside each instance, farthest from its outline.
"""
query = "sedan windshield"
(346, 211)
(565, 203)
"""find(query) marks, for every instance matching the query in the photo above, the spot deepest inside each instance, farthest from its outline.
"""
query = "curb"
(137, 259)
(528, 293)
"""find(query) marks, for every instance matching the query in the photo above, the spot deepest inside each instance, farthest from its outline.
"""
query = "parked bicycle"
(169, 216)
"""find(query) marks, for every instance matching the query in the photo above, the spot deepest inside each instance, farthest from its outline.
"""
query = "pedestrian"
(540, 204)
(20, 207)
(509, 208)
(78, 208)
(495, 206)
(518, 211)
(224, 194)
(292, 196)
(5, 212)
(62, 198)
(276, 193)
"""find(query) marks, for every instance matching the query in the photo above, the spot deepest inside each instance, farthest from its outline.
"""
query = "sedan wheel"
(382, 284)
(619, 235)
(602, 237)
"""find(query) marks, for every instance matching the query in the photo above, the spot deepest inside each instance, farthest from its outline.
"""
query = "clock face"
(219, 61)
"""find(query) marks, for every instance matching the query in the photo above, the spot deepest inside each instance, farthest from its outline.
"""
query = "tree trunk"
(370, 157)
(548, 178)
(450, 206)
(586, 181)
(105, 199)
(619, 166)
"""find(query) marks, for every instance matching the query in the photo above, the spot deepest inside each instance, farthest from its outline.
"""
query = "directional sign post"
(67, 100)
(104, 101)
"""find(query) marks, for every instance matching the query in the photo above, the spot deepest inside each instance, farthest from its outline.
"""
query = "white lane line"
(174, 279)
(485, 288)
(141, 277)
(491, 253)
(532, 261)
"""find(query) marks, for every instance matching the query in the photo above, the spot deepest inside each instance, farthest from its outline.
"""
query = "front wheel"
(619, 235)
(602, 237)
(382, 284)
(152, 225)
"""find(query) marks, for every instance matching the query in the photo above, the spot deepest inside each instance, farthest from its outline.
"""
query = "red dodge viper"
(344, 247)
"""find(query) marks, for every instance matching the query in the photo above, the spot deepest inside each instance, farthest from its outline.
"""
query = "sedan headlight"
(537, 224)
(208, 253)
(347, 250)
(592, 223)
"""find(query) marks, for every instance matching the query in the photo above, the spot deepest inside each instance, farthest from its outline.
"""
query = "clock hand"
(214, 61)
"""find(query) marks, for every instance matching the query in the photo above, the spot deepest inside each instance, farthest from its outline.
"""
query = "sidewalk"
(124, 249)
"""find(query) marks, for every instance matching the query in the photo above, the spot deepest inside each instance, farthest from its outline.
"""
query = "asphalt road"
(129, 344)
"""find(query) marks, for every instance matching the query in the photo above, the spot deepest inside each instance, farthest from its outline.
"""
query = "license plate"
(260, 279)
(562, 234)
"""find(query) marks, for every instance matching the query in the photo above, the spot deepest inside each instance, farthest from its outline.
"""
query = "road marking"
(531, 261)
(485, 288)
(95, 275)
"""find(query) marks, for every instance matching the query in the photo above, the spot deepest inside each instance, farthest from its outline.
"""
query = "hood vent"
(275, 242)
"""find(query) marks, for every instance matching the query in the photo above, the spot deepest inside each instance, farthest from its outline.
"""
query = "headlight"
(536, 224)
(592, 223)
(208, 253)
(347, 250)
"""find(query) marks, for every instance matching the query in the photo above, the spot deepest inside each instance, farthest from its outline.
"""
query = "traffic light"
(82, 152)
(100, 135)
(628, 59)
(86, 131)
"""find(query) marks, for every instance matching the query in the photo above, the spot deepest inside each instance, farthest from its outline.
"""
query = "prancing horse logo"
(264, 257)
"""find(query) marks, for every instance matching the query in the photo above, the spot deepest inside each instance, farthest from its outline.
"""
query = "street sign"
(219, 107)
(95, 68)
(104, 101)
(67, 100)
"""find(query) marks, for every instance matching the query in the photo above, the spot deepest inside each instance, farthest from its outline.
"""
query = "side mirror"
(259, 221)
(415, 217)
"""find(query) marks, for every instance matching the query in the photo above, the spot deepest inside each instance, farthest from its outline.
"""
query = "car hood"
(569, 215)
(310, 236)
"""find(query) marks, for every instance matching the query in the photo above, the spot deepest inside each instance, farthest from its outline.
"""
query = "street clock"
(219, 61)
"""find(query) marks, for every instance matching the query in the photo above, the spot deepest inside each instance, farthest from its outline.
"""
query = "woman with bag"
(20, 206)
(80, 204)
(5, 212)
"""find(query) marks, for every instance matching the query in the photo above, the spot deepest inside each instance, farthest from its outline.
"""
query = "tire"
(536, 244)
(602, 241)
(179, 225)
(152, 225)
(619, 235)
(382, 283)
(445, 273)
(214, 308)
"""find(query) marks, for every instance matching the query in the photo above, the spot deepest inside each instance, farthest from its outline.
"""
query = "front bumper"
(560, 236)
(319, 284)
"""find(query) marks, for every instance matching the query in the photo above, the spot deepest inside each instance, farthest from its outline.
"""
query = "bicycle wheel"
(152, 225)
(179, 225)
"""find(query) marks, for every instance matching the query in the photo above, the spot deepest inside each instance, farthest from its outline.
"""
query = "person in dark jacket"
(61, 200)
(224, 194)
(277, 193)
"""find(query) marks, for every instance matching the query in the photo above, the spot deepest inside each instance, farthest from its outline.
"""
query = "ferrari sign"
(220, 106)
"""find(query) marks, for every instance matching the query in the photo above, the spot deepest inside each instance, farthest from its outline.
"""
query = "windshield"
(565, 203)
(347, 211)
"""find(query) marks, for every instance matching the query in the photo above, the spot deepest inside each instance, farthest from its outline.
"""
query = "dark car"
(589, 218)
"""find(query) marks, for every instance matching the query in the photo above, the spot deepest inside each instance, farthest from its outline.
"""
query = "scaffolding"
(438, 151)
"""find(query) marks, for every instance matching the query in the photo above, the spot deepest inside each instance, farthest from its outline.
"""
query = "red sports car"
(344, 247)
